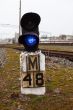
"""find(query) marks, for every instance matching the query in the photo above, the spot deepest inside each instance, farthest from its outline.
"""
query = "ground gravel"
(2, 57)
(52, 61)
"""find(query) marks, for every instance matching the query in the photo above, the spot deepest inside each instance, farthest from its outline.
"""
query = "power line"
(16, 26)
(8, 25)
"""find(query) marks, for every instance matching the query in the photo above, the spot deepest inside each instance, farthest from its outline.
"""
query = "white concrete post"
(32, 71)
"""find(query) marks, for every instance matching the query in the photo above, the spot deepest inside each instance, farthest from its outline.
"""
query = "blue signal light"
(30, 40)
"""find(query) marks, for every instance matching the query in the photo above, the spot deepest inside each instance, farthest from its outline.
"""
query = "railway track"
(61, 54)
(48, 53)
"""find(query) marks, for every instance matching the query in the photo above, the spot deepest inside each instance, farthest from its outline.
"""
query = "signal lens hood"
(29, 21)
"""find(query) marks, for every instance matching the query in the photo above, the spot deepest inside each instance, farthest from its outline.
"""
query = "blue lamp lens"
(30, 40)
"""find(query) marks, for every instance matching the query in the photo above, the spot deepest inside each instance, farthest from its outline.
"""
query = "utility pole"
(19, 17)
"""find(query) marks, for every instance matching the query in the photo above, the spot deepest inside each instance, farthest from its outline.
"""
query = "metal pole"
(19, 17)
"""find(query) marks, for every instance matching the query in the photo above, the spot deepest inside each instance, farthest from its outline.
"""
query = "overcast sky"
(56, 15)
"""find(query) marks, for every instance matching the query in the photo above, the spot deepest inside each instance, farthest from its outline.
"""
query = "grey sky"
(56, 15)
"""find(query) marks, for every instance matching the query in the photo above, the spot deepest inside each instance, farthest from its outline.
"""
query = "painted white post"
(32, 71)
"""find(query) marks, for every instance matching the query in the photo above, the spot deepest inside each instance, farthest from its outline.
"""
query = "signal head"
(30, 42)
(30, 31)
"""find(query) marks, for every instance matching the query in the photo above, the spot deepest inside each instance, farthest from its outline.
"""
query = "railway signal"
(30, 31)
(32, 61)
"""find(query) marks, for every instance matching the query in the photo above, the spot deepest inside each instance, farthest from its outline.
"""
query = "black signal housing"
(30, 31)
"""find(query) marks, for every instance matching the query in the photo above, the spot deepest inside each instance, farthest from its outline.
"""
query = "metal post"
(19, 17)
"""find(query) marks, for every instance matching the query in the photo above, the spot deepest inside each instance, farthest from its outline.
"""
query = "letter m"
(33, 64)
